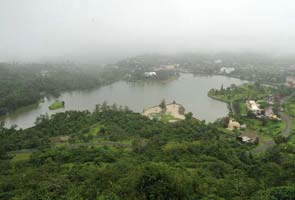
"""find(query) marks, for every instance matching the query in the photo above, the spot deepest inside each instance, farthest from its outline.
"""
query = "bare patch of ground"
(172, 109)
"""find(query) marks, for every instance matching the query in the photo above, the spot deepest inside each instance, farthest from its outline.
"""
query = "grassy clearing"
(57, 105)
(243, 109)
(95, 129)
(289, 107)
(21, 157)
(156, 116)
(263, 139)
(167, 117)
(164, 117)
(90, 137)
(271, 128)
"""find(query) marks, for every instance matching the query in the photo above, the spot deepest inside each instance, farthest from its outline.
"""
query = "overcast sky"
(92, 30)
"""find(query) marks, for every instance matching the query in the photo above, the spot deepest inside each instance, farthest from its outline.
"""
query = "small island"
(57, 105)
(171, 112)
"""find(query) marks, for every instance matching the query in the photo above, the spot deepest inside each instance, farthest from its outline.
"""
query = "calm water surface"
(189, 90)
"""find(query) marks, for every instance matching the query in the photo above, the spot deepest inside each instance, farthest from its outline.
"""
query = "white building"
(227, 70)
(253, 107)
(148, 74)
(232, 125)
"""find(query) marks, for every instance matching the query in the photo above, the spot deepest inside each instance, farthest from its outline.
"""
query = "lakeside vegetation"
(25, 84)
(114, 153)
(241, 93)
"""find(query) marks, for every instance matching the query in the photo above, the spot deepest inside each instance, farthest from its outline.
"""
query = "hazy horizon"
(99, 31)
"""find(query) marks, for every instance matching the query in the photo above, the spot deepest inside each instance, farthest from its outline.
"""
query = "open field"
(270, 128)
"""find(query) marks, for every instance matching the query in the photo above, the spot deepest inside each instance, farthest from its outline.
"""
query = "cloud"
(91, 30)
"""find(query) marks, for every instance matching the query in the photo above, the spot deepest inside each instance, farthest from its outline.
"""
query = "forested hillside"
(25, 84)
(114, 153)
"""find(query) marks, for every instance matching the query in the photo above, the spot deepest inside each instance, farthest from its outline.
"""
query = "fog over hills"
(107, 30)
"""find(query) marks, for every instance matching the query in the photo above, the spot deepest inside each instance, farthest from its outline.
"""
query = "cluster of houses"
(162, 71)
(246, 136)
(227, 70)
(254, 107)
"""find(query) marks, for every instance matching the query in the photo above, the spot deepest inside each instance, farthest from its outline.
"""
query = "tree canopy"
(114, 153)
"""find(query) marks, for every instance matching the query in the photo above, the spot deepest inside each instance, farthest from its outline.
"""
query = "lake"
(188, 90)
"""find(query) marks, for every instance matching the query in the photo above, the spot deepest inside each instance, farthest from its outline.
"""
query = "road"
(262, 148)
(286, 132)
(286, 117)
(288, 121)
(232, 108)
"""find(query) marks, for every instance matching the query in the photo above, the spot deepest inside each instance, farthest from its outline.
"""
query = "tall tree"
(162, 105)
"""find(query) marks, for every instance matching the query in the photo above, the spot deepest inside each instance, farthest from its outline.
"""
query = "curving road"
(286, 132)
(288, 121)
(286, 117)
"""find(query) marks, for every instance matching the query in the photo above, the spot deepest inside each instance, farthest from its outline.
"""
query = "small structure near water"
(172, 112)
(57, 105)
(235, 125)
(232, 125)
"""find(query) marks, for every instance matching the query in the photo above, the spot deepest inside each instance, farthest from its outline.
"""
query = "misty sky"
(94, 30)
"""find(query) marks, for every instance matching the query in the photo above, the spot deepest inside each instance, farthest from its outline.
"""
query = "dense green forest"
(114, 153)
(25, 84)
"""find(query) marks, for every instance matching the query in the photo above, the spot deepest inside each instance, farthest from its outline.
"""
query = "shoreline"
(32, 112)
